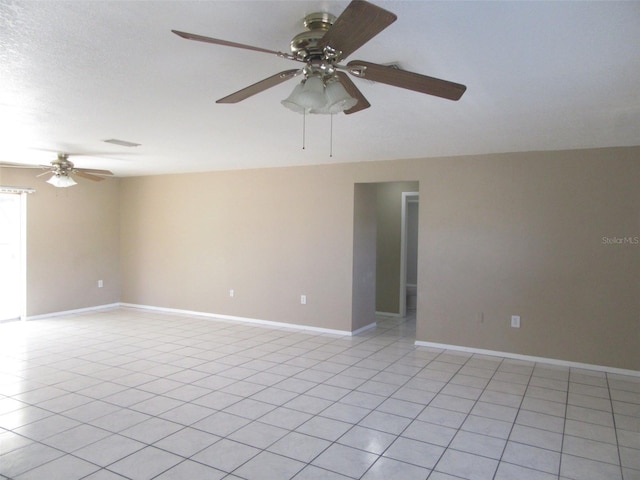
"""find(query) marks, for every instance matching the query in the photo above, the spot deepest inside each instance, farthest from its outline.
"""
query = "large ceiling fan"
(326, 88)
(62, 170)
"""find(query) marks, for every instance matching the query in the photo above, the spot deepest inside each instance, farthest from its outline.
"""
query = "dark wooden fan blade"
(352, 90)
(226, 43)
(409, 80)
(359, 23)
(75, 152)
(258, 87)
(88, 176)
(21, 165)
(94, 171)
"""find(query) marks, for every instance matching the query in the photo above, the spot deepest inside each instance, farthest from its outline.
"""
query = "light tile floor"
(132, 394)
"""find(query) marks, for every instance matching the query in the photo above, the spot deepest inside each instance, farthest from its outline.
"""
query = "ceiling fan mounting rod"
(319, 21)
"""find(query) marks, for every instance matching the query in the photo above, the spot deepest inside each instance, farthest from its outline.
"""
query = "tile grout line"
(506, 443)
(373, 352)
(468, 414)
(335, 442)
(381, 455)
(222, 410)
(398, 387)
(331, 443)
(615, 426)
(564, 423)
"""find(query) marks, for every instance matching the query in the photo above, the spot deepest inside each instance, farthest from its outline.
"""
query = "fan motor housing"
(305, 45)
(62, 164)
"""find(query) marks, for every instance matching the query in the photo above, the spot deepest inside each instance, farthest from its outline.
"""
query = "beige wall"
(364, 256)
(270, 235)
(499, 235)
(522, 234)
(72, 242)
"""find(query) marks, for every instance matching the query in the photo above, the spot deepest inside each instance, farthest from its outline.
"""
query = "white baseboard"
(459, 348)
(72, 312)
(389, 314)
(530, 358)
(257, 321)
(364, 329)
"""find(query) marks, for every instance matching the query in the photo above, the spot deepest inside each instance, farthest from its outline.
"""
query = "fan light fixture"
(327, 42)
(61, 180)
(312, 95)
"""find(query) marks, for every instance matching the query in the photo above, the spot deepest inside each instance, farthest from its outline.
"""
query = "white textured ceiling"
(540, 76)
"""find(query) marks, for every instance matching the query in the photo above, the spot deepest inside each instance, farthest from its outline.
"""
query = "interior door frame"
(406, 198)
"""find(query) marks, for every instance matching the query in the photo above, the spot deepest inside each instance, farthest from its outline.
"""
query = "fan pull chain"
(304, 118)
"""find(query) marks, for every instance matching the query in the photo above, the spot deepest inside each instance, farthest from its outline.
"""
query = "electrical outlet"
(515, 321)
(100, 284)
(303, 299)
(232, 293)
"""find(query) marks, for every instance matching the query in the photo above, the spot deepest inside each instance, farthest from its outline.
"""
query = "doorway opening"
(392, 259)
(385, 252)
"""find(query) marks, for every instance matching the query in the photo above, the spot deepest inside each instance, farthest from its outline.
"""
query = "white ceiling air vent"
(122, 143)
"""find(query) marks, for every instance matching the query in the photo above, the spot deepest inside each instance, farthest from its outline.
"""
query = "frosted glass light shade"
(61, 181)
(312, 96)
(312, 93)
(337, 98)
(306, 96)
(292, 102)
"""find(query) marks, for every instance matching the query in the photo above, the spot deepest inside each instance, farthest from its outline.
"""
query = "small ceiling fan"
(62, 169)
(326, 88)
